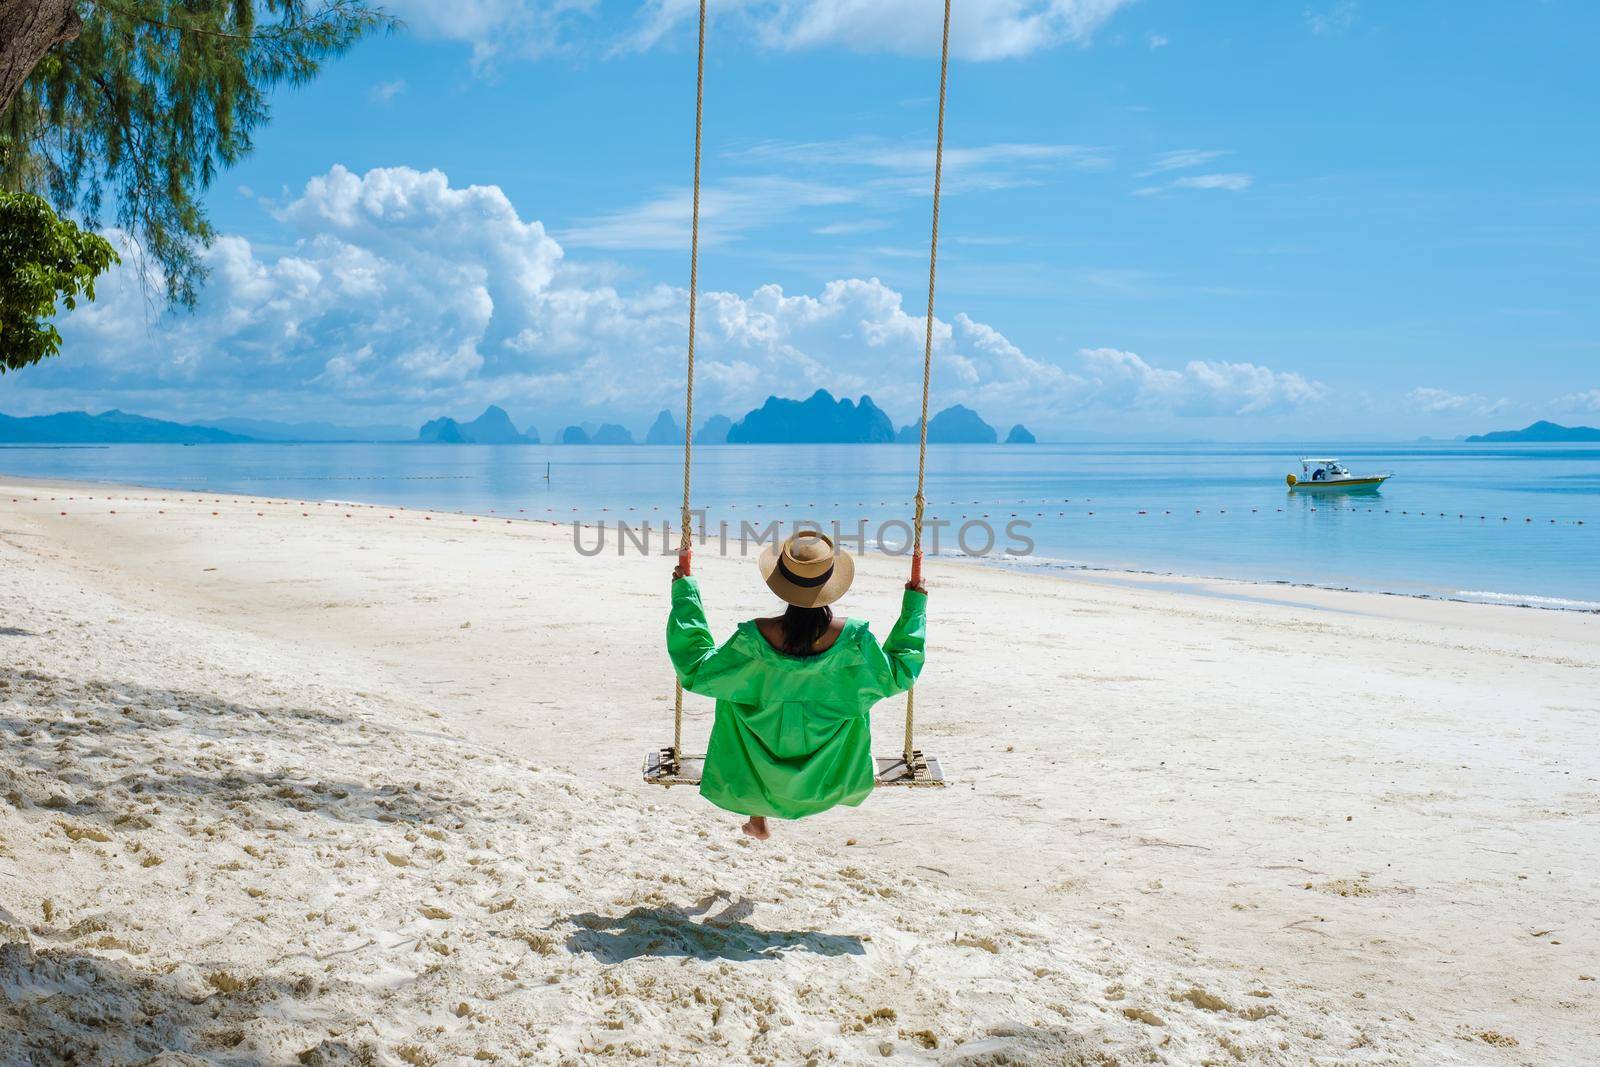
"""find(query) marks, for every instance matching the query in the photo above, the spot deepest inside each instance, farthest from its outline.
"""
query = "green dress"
(791, 736)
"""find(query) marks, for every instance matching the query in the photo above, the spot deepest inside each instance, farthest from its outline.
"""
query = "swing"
(669, 766)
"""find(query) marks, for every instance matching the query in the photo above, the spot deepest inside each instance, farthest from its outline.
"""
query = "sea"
(1500, 523)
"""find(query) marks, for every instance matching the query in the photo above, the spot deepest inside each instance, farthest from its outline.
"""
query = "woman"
(791, 736)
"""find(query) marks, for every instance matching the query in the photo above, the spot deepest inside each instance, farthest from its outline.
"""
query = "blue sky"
(1162, 219)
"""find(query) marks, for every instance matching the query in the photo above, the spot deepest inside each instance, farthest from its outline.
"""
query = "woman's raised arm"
(722, 673)
(897, 663)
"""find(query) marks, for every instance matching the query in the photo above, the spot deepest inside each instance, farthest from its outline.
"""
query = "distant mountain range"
(1540, 431)
(953, 426)
(714, 431)
(493, 427)
(108, 427)
(818, 419)
(309, 432)
(666, 431)
(608, 433)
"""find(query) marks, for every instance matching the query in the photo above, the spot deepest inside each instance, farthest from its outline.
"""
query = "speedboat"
(1320, 474)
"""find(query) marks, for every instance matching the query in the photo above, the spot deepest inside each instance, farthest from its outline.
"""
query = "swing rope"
(927, 360)
(685, 542)
(685, 539)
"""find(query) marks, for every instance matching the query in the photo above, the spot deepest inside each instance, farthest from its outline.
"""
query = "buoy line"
(764, 510)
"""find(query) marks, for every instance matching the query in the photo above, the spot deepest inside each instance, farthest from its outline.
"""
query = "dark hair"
(802, 627)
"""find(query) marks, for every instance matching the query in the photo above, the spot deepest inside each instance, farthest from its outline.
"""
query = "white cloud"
(1333, 20)
(1157, 42)
(384, 92)
(1586, 401)
(1432, 401)
(843, 229)
(1188, 159)
(494, 28)
(908, 166)
(813, 174)
(1229, 182)
(1233, 183)
(402, 294)
(1202, 388)
(981, 29)
(398, 286)
(728, 209)
(1182, 159)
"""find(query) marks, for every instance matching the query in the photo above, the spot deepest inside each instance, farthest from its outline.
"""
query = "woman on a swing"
(791, 736)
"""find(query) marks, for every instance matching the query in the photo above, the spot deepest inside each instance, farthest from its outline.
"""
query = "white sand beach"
(286, 782)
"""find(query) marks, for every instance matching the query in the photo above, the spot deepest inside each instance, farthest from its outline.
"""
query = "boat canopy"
(1319, 470)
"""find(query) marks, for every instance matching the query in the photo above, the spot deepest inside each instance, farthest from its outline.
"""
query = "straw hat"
(807, 570)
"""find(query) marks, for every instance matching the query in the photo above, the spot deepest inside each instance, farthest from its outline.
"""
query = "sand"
(326, 784)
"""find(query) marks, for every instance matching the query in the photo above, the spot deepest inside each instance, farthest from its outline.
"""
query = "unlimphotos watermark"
(894, 537)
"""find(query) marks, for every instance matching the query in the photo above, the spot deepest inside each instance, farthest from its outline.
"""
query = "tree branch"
(276, 32)
(28, 30)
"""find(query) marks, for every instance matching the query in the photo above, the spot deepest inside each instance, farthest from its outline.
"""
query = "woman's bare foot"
(757, 828)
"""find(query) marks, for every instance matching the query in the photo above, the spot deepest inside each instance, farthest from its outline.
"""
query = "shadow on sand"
(114, 733)
(63, 1006)
(672, 931)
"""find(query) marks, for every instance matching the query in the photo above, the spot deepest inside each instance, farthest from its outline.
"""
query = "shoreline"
(1499, 600)
(1200, 583)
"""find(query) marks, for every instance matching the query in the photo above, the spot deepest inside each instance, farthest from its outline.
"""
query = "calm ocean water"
(1454, 521)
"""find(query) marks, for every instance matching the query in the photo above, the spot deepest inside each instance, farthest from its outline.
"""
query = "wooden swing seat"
(661, 769)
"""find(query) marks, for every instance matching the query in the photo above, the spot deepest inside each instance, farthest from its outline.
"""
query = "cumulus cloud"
(1432, 401)
(397, 284)
(397, 291)
(985, 29)
(1202, 388)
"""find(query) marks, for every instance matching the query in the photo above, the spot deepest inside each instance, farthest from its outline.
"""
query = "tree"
(127, 109)
(43, 259)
